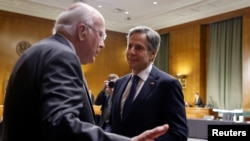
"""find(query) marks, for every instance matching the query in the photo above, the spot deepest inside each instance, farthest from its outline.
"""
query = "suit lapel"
(149, 85)
(120, 87)
(146, 90)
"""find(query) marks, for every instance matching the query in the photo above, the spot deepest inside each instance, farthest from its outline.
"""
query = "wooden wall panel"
(13, 29)
(246, 62)
(185, 59)
(204, 45)
(110, 60)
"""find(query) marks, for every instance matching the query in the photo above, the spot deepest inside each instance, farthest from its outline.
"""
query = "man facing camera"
(147, 97)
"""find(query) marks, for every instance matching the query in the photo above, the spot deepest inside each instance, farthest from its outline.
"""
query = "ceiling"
(166, 13)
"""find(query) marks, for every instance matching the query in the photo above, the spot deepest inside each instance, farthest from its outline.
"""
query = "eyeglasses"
(102, 35)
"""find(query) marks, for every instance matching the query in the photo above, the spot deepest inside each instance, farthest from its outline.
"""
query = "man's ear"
(153, 55)
(82, 32)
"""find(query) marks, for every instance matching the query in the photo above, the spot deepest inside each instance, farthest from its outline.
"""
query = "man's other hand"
(151, 134)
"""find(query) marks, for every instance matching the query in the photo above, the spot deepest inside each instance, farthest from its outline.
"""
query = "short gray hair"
(153, 37)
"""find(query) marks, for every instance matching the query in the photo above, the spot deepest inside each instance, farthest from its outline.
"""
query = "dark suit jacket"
(104, 118)
(47, 99)
(199, 102)
(160, 101)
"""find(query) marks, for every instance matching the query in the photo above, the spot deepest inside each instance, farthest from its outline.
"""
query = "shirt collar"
(145, 73)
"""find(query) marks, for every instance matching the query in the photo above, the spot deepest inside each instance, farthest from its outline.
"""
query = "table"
(198, 112)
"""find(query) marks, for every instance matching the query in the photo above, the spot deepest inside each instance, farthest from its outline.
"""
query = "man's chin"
(133, 66)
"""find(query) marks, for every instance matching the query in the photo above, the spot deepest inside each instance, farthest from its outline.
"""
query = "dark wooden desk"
(198, 112)
(1, 113)
(198, 128)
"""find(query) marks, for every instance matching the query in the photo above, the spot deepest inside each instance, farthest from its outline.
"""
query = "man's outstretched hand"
(151, 134)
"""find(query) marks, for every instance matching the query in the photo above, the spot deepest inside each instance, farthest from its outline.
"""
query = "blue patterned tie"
(131, 96)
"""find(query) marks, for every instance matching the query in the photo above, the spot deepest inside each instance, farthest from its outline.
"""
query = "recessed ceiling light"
(100, 6)
(155, 2)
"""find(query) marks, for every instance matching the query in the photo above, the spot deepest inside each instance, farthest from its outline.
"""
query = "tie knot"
(136, 79)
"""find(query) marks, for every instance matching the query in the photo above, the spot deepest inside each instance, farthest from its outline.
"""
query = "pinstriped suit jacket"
(47, 98)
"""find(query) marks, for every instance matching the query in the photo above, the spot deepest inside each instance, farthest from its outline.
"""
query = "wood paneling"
(246, 63)
(185, 57)
(194, 36)
(188, 51)
(13, 29)
(111, 59)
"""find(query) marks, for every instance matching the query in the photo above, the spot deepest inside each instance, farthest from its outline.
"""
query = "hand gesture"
(151, 134)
